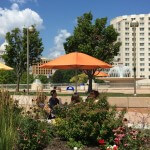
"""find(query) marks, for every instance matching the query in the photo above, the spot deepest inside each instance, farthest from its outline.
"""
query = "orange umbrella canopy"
(75, 60)
(100, 74)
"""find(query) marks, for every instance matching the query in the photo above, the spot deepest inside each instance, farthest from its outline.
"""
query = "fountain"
(120, 76)
(120, 71)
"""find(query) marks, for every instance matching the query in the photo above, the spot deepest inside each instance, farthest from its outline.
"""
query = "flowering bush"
(33, 134)
(88, 122)
(130, 138)
(126, 138)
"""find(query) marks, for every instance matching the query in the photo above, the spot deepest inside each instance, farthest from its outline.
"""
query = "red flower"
(115, 147)
(101, 141)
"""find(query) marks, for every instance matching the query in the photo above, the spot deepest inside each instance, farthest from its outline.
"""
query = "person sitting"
(93, 95)
(75, 98)
(53, 101)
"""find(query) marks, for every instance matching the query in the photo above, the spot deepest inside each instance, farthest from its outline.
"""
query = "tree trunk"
(90, 83)
(18, 82)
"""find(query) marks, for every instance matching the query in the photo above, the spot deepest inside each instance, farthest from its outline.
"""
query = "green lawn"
(85, 94)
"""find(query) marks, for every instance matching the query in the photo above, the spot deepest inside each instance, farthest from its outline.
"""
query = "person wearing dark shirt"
(53, 101)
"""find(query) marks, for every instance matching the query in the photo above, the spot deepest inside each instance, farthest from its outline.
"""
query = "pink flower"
(117, 141)
(125, 145)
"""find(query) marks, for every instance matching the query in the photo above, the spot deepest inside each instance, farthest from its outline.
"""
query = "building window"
(127, 29)
(141, 18)
(141, 54)
(132, 19)
(149, 77)
(141, 23)
(126, 49)
(141, 44)
(133, 34)
(126, 23)
(126, 59)
(126, 64)
(142, 64)
(142, 34)
(141, 29)
(141, 59)
(126, 33)
(126, 44)
(127, 39)
(142, 76)
(141, 39)
(141, 49)
(126, 54)
(142, 69)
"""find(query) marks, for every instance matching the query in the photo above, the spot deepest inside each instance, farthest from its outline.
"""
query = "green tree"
(23, 79)
(57, 77)
(7, 77)
(42, 78)
(95, 39)
(80, 78)
(62, 76)
(16, 50)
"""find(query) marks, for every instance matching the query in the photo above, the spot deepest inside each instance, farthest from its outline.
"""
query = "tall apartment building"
(125, 57)
(36, 70)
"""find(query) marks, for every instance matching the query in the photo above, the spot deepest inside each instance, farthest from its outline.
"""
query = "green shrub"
(33, 134)
(88, 121)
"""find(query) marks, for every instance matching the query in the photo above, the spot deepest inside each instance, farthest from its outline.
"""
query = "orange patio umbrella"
(100, 74)
(76, 60)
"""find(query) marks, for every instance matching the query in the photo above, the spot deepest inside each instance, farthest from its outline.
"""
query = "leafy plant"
(8, 122)
(33, 134)
(87, 121)
(72, 143)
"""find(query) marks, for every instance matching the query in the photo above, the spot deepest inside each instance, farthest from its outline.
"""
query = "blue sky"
(56, 19)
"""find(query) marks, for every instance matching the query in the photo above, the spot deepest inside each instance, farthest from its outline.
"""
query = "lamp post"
(29, 29)
(134, 24)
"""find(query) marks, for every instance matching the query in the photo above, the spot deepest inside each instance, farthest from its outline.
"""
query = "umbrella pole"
(76, 84)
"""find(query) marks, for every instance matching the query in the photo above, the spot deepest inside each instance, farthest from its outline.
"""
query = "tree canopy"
(94, 38)
(62, 76)
(16, 50)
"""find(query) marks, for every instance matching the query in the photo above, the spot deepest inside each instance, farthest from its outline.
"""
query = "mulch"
(57, 144)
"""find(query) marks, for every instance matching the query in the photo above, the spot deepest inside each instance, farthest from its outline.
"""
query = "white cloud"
(58, 48)
(18, 1)
(15, 6)
(21, 1)
(12, 18)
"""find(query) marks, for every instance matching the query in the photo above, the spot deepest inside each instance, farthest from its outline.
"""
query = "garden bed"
(57, 144)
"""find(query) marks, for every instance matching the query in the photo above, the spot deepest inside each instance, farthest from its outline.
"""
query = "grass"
(84, 94)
